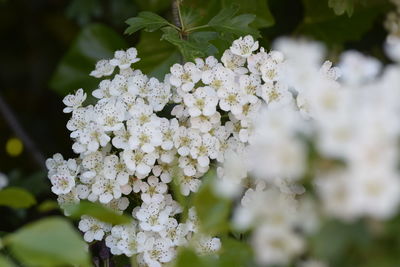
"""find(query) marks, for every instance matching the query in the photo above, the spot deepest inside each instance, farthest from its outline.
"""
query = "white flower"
(74, 101)
(207, 245)
(276, 245)
(145, 137)
(234, 62)
(93, 229)
(139, 161)
(110, 115)
(175, 232)
(207, 64)
(250, 85)
(124, 59)
(103, 68)
(158, 251)
(205, 123)
(275, 94)
(62, 183)
(218, 77)
(188, 183)
(93, 137)
(244, 46)
(185, 76)
(121, 138)
(115, 169)
(203, 101)
(153, 190)
(152, 216)
(159, 94)
(106, 189)
(358, 69)
(232, 99)
(204, 148)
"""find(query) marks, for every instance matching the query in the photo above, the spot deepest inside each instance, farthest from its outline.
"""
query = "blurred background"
(48, 48)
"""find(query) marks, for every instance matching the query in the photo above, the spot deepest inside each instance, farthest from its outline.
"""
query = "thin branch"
(14, 124)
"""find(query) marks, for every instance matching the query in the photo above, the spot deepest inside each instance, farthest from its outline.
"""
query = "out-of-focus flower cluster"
(270, 122)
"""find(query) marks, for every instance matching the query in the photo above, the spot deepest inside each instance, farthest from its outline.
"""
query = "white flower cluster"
(254, 114)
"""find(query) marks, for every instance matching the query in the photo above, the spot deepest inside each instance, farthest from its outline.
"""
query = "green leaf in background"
(4, 262)
(342, 6)
(83, 10)
(187, 257)
(226, 22)
(48, 205)
(235, 253)
(153, 5)
(94, 42)
(334, 239)
(49, 242)
(14, 197)
(148, 21)
(259, 8)
(97, 211)
(322, 23)
(156, 56)
(213, 211)
(206, 9)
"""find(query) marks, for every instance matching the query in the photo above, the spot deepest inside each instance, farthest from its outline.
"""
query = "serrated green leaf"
(212, 210)
(94, 42)
(97, 211)
(226, 22)
(189, 48)
(146, 20)
(49, 242)
(14, 197)
(156, 56)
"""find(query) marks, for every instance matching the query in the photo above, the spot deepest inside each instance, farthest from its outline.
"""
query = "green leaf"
(14, 197)
(213, 211)
(153, 5)
(83, 10)
(335, 238)
(322, 23)
(259, 8)
(94, 42)
(148, 21)
(187, 257)
(5, 262)
(189, 49)
(48, 205)
(49, 242)
(156, 56)
(235, 253)
(97, 211)
(226, 21)
(342, 6)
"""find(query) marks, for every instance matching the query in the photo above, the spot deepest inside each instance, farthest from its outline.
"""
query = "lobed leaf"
(146, 20)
